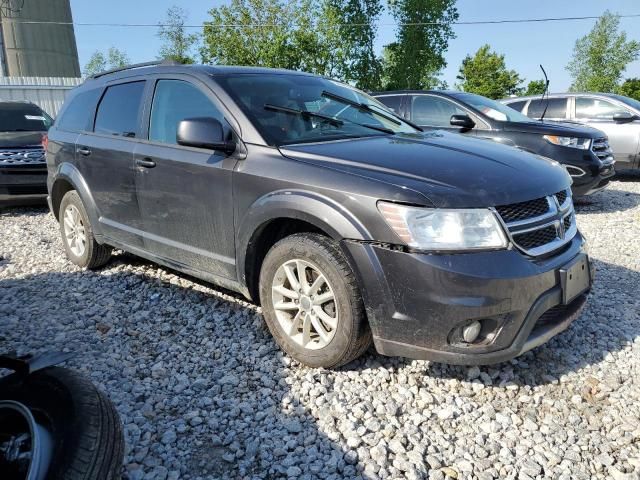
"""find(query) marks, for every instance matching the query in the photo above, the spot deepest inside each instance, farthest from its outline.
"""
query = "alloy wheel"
(74, 231)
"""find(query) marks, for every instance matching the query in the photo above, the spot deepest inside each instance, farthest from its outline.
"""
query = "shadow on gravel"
(608, 200)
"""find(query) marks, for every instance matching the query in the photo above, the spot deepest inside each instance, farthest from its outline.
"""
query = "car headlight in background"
(573, 142)
(443, 229)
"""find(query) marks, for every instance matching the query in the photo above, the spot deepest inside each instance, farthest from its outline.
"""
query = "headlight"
(573, 142)
(440, 229)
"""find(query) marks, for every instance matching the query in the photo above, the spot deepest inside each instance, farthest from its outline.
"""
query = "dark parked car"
(345, 222)
(617, 116)
(23, 170)
(582, 150)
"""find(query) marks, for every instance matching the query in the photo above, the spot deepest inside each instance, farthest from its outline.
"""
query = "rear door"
(623, 137)
(394, 102)
(105, 159)
(556, 108)
(185, 193)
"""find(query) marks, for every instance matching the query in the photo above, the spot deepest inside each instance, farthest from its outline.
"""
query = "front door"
(185, 193)
(105, 160)
(623, 137)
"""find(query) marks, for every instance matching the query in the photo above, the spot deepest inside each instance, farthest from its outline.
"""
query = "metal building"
(32, 49)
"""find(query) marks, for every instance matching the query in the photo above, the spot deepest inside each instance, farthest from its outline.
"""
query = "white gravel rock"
(203, 391)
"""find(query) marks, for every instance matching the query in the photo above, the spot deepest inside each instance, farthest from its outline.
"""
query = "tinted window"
(79, 113)
(23, 117)
(517, 105)
(119, 108)
(557, 108)
(173, 101)
(433, 111)
(491, 108)
(392, 101)
(596, 109)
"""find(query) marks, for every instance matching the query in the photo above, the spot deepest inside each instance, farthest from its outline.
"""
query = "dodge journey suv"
(345, 222)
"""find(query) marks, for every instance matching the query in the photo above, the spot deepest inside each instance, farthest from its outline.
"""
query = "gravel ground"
(203, 391)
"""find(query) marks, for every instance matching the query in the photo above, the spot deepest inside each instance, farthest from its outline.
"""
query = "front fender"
(68, 173)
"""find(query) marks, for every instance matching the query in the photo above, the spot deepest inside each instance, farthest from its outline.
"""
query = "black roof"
(408, 92)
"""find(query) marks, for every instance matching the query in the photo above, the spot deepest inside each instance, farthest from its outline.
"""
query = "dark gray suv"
(345, 222)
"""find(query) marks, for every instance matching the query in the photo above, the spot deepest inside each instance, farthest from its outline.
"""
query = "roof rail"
(166, 61)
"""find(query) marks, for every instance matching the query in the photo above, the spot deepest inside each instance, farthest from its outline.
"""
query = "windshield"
(491, 108)
(289, 109)
(23, 117)
(635, 104)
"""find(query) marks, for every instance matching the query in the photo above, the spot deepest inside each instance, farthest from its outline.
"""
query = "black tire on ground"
(353, 336)
(86, 429)
(95, 255)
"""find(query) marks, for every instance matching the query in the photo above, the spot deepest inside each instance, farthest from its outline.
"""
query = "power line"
(274, 25)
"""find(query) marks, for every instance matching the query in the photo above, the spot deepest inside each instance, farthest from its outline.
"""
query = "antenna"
(546, 91)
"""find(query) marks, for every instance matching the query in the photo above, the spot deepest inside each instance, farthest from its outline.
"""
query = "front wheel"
(311, 301)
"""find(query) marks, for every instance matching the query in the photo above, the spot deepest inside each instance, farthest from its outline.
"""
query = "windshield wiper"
(303, 113)
(327, 118)
(360, 106)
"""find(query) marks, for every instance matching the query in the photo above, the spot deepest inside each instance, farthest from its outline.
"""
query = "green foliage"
(177, 43)
(601, 57)
(416, 58)
(535, 87)
(99, 62)
(630, 88)
(486, 74)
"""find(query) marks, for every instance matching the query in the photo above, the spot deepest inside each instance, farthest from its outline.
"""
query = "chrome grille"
(602, 150)
(537, 230)
(27, 156)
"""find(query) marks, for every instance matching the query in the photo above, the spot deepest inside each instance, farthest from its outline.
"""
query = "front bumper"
(22, 181)
(595, 179)
(416, 302)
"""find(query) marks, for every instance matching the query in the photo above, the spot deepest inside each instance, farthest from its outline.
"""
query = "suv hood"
(449, 169)
(21, 139)
(554, 128)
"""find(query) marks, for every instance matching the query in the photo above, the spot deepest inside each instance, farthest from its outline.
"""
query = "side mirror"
(203, 132)
(464, 122)
(624, 117)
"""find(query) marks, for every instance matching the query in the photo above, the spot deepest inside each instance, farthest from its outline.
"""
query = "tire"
(86, 430)
(348, 337)
(92, 255)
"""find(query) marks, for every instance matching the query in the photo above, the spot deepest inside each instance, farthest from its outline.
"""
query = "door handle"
(145, 162)
(84, 151)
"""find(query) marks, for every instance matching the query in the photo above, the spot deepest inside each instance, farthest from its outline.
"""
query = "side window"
(119, 109)
(433, 111)
(78, 115)
(557, 108)
(519, 105)
(596, 109)
(392, 102)
(173, 101)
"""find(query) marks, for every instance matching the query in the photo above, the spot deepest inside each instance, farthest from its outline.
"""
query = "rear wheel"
(311, 301)
(77, 235)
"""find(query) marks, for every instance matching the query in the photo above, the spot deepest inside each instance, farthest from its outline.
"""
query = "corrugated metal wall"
(46, 92)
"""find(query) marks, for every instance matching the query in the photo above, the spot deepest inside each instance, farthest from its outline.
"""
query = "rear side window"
(174, 101)
(517, 105)
(78, 116)
(392, 101)
(119, 109)
(23, 117)
(557, 108)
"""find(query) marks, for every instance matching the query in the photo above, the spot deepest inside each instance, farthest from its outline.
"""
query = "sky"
(525, 46)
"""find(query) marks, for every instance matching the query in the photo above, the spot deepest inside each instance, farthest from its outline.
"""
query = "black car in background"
(584, 151)
(23, 170)
(345, 222)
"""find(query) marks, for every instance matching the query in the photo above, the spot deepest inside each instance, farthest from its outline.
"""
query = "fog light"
(470, 332)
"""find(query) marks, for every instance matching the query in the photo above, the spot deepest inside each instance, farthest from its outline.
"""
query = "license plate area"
(575, 278)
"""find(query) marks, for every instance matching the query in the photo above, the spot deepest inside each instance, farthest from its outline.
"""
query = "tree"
(535, 87)
(99, 62)
(630, 88)
(601, 57)
(416, 58)
(486, 74)
(177, 43)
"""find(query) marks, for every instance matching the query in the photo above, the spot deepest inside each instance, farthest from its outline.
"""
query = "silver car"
(615, 115)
